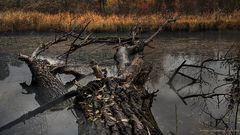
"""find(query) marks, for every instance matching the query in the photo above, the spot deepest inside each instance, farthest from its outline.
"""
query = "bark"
(44, 84)
(115, 106)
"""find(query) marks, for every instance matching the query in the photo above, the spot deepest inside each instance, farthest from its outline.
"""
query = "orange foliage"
(35, 21)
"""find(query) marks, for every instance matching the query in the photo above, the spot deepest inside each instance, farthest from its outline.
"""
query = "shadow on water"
(171, 49)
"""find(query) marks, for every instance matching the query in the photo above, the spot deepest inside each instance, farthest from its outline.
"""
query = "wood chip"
(97, 111)
(94, 119)
(124, 120)
(99, 97)
(112, 118)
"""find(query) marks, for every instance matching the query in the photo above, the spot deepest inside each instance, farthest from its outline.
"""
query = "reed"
(19, 21)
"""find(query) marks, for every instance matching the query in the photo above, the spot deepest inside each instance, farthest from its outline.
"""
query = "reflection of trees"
(216, 83)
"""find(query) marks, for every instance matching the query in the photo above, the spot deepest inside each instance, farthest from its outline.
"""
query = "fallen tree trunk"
(117, 105)
(108, 105)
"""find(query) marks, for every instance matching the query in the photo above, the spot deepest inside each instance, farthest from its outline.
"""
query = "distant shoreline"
(19, 21)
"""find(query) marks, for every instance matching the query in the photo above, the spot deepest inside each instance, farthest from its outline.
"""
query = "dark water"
(171, 49)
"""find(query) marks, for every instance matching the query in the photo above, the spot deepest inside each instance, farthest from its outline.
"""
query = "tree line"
(188, 7)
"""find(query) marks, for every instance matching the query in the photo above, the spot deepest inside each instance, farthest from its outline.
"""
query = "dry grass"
(13, 21)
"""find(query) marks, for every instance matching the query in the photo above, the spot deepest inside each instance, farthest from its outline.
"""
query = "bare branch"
(208, 95)
(160, 29)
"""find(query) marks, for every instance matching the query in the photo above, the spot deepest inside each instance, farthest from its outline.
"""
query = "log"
(44, 84)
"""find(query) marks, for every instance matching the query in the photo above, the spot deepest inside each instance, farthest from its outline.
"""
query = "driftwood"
(108, 105)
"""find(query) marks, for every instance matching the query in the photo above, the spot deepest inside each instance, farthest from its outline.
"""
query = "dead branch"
(207, 95)
(63, 69)
(160, 29)
(46, 46)
(109, 40)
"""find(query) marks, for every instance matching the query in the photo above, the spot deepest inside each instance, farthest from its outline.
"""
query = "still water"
(170, 50)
